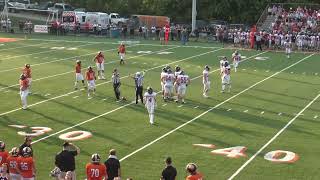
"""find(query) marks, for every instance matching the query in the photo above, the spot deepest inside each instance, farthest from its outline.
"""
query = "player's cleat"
(222, 91)
(102, 77)
(177, 101)
(183, 102)
(99, 77)
(75, 88)
(205, 96)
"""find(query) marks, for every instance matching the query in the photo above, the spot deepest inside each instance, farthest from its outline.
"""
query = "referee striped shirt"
(115, 78)
(138, 81)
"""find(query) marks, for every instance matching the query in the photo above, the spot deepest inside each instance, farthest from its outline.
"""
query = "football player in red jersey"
(3, 155)
(79, 76)
(24, 90)
(12, 161)
(95, 170)
(91, 77)
(26, 165)
(192, 171)
(26, 71)
(99, 59)
(122, 53)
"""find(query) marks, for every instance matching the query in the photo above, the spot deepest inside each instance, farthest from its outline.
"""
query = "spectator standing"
(113, 165)
(161, 36)
(172, 32)
(27, 143)
(65, 160)
(169, 172)
(258, 41)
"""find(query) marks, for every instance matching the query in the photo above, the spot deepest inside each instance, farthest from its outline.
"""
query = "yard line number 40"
(39, 131)
(279, 156)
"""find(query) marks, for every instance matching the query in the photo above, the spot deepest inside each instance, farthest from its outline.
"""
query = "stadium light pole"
(194, 14)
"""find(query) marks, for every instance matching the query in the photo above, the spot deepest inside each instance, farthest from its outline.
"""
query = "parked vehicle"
(46, 5)
(116, 19)
(61, 7)
(91, 21)
(149, 21)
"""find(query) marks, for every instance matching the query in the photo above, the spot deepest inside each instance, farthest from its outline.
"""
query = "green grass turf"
(127, 129)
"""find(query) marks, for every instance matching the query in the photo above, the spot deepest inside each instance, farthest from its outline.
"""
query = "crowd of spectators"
(299, 20)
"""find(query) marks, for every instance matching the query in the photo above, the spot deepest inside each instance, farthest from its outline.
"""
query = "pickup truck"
(116, 19)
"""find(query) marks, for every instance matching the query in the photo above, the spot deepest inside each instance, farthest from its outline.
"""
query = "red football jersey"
(96, 171)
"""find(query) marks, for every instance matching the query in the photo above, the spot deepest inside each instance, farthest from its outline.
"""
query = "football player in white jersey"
(168, 80)
(206, 81)
(182, 81)
(236, 56)
(287, 45)
(222, 62)
(176, 74)
(162, 75)
(150, 103)
(225, 77)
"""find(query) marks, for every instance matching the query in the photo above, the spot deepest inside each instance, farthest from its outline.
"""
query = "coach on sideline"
(65, 160)
(138, 80)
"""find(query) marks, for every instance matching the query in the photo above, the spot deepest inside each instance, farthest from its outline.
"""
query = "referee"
(138, 79)
(116, 83)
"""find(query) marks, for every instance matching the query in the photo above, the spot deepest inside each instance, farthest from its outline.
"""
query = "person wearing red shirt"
(99, 60)
(27, 73)
(24, 90)
(122, 53)
(12, 161)
(91, 77)
(95, 170)
(26, 165)
(79, 76)
(3, 155)
(191, 169)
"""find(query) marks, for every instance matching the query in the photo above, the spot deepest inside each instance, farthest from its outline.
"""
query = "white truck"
(116, 19)
(85, 20)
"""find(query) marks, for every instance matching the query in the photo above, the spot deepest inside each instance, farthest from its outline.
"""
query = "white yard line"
(42, 52)
(72, 92)
(145, 44)
(63, 59)
(273, 138)
(20, 47)
(212, 108)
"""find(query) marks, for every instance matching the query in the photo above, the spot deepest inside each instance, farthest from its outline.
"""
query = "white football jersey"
(177, 73)
(236, 57)
(183, 80)
(205, 75)
(169, 78)
(150, 98)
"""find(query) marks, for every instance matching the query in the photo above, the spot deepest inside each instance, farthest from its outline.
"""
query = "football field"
(267, 127)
